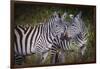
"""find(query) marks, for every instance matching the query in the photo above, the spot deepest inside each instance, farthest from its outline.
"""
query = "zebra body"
(27, 43)
(38, 39)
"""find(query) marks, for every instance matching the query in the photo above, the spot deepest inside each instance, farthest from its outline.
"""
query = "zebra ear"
(64, 16)
(79, 15)
(71, 16)
(55, 14)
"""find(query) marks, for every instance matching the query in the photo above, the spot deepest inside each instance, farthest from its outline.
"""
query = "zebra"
(78, 32)
(75, 32)
(38, 39)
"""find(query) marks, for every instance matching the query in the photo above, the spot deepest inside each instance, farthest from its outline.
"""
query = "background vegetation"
(35, 13)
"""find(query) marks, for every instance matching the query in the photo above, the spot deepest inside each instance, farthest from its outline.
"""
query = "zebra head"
(58, 26)
(77, 31)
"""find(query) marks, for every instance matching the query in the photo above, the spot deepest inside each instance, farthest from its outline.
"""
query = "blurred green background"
(35, 13)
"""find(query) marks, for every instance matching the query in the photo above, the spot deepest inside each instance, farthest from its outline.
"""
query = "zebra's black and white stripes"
(75, 32)
(38, 39)
(58, 49)
(78, 31)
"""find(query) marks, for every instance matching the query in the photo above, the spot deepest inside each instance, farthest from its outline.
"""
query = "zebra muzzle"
(64, 36)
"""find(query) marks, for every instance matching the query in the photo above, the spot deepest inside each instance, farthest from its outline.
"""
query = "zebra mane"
(55, 15)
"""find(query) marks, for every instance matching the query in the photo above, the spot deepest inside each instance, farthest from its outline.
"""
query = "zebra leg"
(19, 60)
(83, 49)
(44, 57)
(61, 57)
(53, 58)
(82, 52)
(57, 58)
(39, 58)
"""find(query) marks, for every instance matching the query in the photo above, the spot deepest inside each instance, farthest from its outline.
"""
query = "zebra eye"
(56, 25)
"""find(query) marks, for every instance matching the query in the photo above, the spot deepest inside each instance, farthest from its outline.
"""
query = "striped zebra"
(78, 32)
(75, 32)
(38, 39)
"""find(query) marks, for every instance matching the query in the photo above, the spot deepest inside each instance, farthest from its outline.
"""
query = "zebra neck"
(48, 31)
